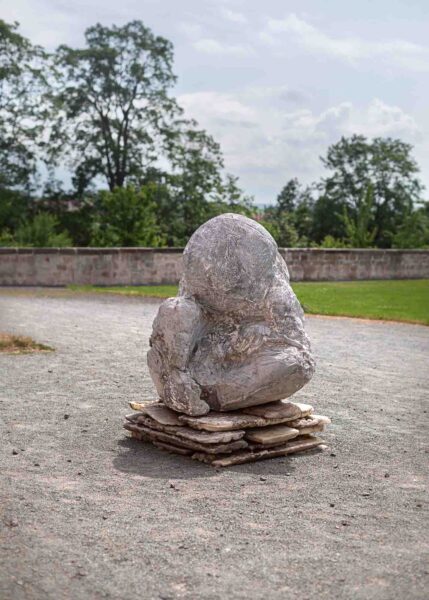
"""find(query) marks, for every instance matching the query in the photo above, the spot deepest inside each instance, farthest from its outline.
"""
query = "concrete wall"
(140, 266)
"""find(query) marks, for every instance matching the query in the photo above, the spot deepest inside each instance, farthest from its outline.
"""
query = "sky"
(275, 81)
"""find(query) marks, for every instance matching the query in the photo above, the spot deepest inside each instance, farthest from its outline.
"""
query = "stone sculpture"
(234, 336)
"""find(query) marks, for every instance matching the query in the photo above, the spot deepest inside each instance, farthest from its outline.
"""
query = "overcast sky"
(275, 81)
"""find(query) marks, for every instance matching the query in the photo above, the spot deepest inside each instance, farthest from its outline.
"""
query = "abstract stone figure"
(234, 336)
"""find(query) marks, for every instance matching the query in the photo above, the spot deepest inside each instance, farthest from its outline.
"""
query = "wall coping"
(176, 250)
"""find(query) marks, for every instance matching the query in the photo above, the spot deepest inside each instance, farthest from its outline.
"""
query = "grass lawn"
(151, 291)
(402, 300)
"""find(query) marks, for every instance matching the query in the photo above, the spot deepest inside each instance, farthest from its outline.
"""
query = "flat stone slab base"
(229, 438)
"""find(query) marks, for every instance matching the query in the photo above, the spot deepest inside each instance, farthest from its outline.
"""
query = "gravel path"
(86, 513)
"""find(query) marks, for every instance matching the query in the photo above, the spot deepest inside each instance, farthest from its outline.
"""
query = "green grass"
(402, 300)
(150, 291)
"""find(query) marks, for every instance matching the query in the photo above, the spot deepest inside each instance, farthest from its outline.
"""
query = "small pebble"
(66, 417)
(14, 452)
(387, 474)
(263, 479)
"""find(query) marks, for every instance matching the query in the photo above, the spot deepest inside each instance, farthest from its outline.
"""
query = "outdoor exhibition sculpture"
(234, 336)
(227, 352)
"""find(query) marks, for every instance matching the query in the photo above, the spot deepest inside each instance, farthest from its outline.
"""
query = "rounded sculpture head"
(229, 263)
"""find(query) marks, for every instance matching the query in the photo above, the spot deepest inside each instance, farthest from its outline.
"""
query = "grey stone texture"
(146, 266)
(234, 336)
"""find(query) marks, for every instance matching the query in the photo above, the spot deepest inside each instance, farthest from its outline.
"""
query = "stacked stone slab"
(222, 439)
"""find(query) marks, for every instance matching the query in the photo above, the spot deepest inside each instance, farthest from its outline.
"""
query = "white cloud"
(351, 49)
(266, 144)
(218, 107)
(191, 30)
(212, 46)
(233, 16)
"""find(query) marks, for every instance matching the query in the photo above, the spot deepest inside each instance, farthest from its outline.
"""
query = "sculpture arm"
(176, 329)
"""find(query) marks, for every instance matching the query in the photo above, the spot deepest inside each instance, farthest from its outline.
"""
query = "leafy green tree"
(14, 208)
(114, 117)
(330, 242)
(414, 232)
(359, 233)
(355, 163)
(196, 190)
(126, 217)
(22, 110)
(41, 232)
(289, 196)
(74, 213)
(291, 217)
(283, 230)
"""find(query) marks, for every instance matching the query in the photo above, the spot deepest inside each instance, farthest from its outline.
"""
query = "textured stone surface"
(203, 437)
(312, 429)
(270, 436)
(310, 421)
(257, 434)
(277, 410)
(161, 414)
(238, 458)
(169, 438)
(223, 422)
(234, 336)
(146, 266)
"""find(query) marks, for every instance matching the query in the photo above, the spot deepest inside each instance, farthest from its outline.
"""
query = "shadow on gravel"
(144, 459)
(148, 461)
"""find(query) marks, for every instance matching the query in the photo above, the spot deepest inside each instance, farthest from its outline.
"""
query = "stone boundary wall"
(145, 266)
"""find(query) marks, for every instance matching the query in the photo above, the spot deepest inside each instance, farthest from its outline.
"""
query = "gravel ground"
(87, 513)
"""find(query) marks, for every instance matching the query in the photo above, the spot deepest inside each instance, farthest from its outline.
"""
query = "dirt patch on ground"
(19, 344)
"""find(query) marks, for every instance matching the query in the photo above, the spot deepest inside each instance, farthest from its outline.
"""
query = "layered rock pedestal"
(229, 438)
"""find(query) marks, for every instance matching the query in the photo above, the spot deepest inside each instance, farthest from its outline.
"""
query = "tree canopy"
(21, 108)
(144, 174)
(387, 166)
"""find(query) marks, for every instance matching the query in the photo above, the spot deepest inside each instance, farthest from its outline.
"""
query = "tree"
(414, 232)
(359, 233)
(291, 216)
(41, 232)
(289, 196)
(22, 110)
(14, 209)
(384, 163)
(126, 217)
(114, 116)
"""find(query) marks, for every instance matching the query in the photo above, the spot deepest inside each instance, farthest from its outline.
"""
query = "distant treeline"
(105, 115)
